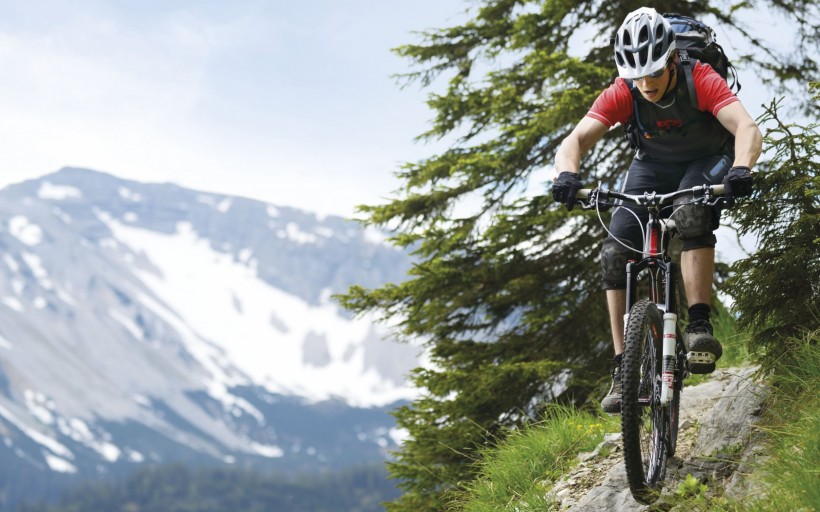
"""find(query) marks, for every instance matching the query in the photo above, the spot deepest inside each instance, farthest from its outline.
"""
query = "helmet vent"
(657, 51)
(643, 35)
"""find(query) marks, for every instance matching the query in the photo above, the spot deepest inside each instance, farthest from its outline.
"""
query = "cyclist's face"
(652, 88)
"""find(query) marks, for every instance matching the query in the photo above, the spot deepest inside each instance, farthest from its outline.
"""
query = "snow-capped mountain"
(148, 322)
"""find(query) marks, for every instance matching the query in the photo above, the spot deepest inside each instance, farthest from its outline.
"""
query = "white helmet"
(643, 43)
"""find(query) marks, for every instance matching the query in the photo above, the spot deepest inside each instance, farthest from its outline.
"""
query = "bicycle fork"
(670, 321)
(654, 258)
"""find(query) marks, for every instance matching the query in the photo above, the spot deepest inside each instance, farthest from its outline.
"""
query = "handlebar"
(603, 195)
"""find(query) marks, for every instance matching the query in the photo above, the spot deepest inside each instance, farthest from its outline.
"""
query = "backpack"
(695, 39)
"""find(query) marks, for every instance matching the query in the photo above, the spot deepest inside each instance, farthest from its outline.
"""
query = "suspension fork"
(653, 258)
(670, 333)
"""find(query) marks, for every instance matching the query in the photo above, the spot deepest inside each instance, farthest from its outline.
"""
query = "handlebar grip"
(718, 189)
(583, 193)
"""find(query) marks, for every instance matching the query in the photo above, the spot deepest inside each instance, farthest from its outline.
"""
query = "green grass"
(792, 475)
(786, 479)
(518, 474)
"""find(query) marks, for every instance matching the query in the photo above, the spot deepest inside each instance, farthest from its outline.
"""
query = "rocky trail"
(716, 442)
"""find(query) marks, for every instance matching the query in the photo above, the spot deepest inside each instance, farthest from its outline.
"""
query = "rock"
(728, 424)
(612, 494)
(716, 417)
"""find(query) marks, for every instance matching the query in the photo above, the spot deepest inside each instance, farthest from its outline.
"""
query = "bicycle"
(655, 362)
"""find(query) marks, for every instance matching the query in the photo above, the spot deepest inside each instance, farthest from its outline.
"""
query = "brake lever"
(589, 203)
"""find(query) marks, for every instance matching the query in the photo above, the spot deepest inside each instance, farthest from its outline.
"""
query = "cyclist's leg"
(696, 224)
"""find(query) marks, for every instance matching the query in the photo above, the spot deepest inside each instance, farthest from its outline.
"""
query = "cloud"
(291, 104)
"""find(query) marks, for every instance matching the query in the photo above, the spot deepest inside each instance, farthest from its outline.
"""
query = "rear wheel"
(644, 422)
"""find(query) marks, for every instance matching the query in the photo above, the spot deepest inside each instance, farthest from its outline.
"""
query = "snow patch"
(13, 303)
(128, 323)
(58, 192)
(134, 456)
(269, 451)
(295, 234)
(39, 406)
(79, 431)
(59, 464)
(224, 205)
(236, 345)
(39, 438)
(129, 195)
(4, 343)
(38, 270)
(245, 255)
(221, 206)
(28, 233)
(11, 263)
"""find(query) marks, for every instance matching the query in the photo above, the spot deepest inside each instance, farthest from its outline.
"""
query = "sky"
(294, 103)
(290, 102)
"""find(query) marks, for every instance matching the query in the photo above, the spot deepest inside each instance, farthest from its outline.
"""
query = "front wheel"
(644, 421)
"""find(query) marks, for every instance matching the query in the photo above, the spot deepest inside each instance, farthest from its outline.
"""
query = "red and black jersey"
(672, 129)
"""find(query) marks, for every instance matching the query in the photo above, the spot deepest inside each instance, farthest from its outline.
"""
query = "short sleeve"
(614, 105)
(712, 90)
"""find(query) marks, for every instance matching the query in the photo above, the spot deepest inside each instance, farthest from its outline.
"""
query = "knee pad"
(613, 263)
(694, 223)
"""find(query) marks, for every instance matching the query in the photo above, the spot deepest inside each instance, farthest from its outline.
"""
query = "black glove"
(565, 187)
(737, 183)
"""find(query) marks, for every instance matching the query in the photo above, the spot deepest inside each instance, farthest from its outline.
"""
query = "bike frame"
(660, 267)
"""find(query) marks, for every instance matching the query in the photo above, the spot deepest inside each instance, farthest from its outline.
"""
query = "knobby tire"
(646, 430)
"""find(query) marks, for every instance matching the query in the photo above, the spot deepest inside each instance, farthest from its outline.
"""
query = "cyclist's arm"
(748, 139)
(585, 135)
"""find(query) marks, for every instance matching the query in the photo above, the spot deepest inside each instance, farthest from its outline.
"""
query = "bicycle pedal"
(700, 357)
(701, 362)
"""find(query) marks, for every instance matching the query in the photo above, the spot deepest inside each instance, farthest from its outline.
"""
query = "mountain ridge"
(135, 316)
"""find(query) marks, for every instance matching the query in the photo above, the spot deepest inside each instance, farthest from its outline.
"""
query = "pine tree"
(505, 289)
(777, 289)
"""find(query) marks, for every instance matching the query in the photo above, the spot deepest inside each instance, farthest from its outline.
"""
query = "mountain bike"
(654, 363)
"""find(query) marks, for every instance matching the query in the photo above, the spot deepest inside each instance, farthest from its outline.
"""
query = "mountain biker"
(685, 147)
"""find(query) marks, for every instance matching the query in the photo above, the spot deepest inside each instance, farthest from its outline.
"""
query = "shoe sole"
(701, 362)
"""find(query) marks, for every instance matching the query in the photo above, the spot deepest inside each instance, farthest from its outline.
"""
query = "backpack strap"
(635, 130)
(686, 64)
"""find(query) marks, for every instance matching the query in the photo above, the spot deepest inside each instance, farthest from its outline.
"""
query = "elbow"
(751, 138)
(757, 138)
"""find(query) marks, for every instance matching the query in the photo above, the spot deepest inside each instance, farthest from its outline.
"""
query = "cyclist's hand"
(737, 183)
(565, 187)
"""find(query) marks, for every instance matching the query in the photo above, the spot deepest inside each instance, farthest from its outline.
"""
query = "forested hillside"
(177, 488)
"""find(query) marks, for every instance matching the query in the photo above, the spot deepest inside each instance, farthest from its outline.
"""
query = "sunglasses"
(656, 74)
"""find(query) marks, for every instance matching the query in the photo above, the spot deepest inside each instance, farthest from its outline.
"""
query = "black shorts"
(627, 223)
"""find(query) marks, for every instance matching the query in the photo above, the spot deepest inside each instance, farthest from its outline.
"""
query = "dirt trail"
(715, 442)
